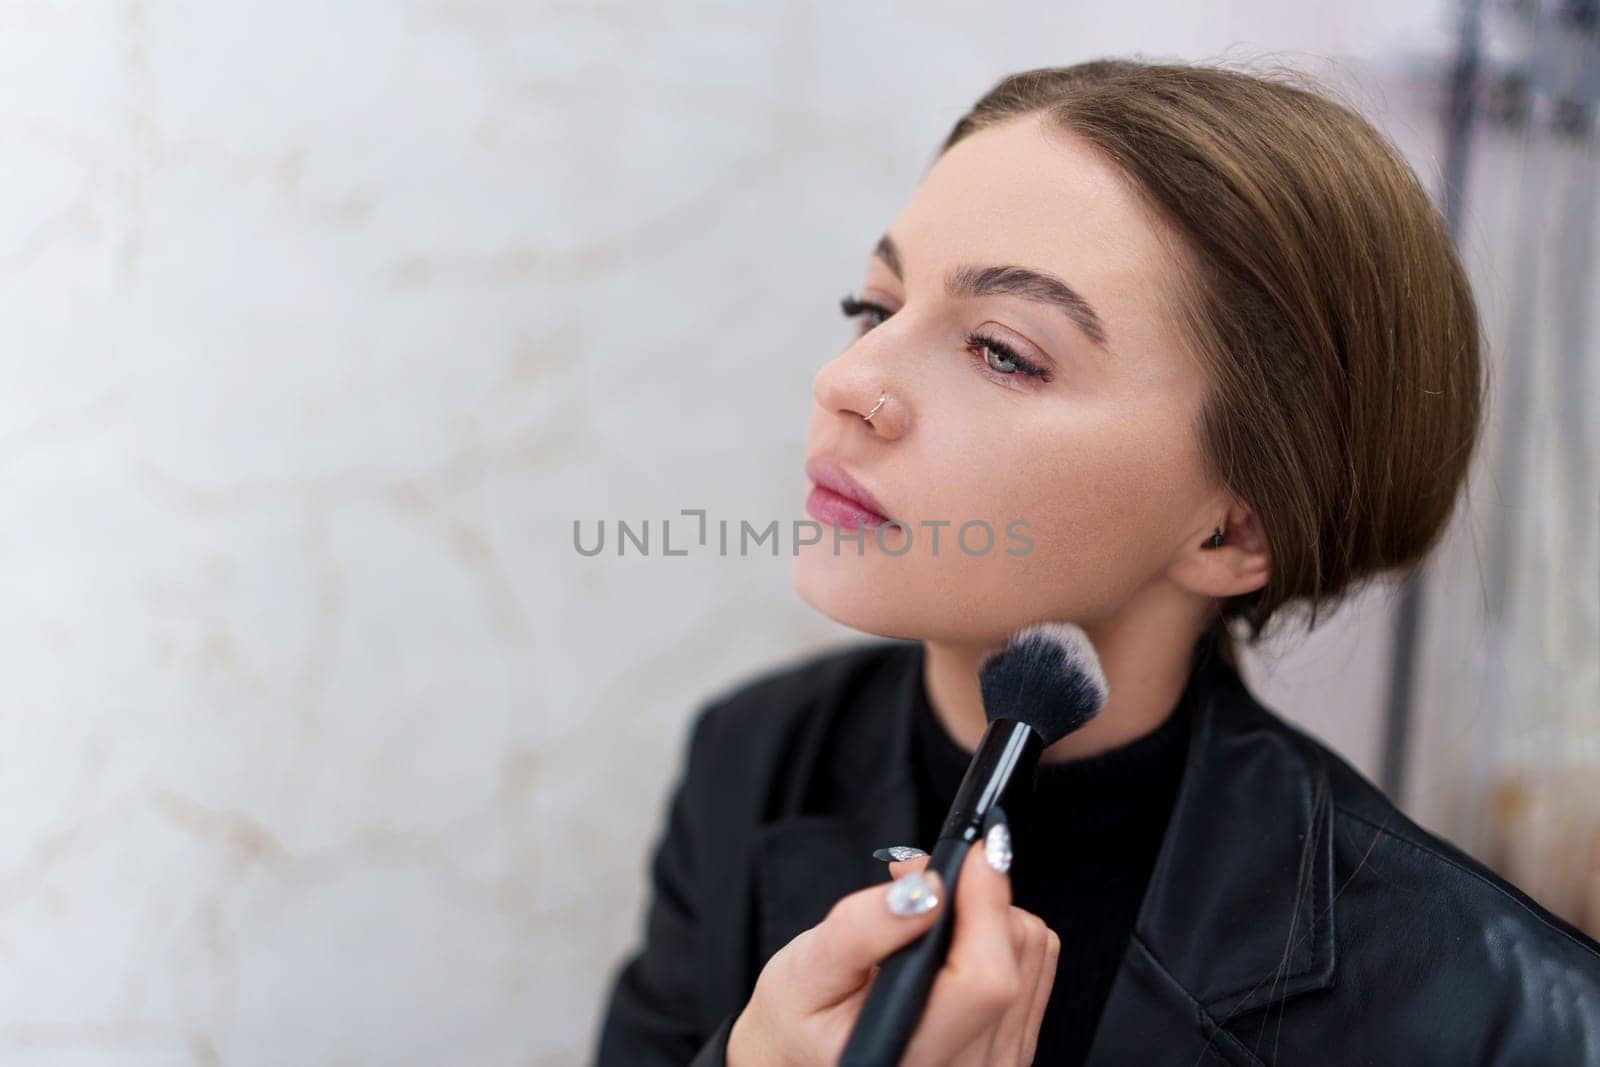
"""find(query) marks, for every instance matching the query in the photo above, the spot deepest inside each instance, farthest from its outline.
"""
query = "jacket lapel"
(805, 862)
(1238, 912)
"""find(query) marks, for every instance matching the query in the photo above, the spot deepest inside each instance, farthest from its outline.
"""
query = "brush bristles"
(1047, 676)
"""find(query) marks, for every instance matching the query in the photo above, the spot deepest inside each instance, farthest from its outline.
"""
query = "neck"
(1144, 651)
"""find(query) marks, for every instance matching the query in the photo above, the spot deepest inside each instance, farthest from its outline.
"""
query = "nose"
(851, 387)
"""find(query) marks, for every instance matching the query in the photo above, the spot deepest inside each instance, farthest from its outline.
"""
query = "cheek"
(1096, 515)
(1110, 502)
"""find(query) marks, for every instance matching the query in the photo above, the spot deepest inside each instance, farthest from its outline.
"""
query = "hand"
(984, 1008)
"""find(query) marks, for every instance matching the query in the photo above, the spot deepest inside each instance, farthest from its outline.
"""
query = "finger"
(989, 1046)
(898, 868)
(980, 942)
(979, 978)
(1041, 994)
(1010, 1035)
(836, 957)
(1021, 927)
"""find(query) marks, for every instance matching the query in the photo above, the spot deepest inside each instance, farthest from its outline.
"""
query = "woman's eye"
(998, 362)
(853, 307)
(998, 356)
(1003, 360)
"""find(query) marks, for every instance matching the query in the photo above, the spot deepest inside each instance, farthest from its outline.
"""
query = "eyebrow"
(1035, 285)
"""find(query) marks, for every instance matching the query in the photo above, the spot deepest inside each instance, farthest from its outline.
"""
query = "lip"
(846, 490)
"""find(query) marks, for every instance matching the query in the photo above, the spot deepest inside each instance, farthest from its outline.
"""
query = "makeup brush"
(1043, 685)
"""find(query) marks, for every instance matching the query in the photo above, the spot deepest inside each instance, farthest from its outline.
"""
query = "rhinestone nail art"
(997, 847)
(911, 895)
(898, 852)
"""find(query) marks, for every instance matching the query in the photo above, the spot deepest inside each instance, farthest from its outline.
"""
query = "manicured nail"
(997, 841)
(914, 893)
(898, 852)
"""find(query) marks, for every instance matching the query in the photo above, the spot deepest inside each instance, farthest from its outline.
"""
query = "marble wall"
(323, 322)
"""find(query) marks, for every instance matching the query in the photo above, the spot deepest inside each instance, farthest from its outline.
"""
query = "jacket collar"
(1237, 914)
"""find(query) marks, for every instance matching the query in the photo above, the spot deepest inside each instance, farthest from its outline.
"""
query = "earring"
(1215, 540)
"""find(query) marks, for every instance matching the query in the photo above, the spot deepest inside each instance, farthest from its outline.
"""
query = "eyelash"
(853, 308)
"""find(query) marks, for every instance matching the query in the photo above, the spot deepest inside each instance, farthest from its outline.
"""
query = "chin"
(882, 596)
(858, 592)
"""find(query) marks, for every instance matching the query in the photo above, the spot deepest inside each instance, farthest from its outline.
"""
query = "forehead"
(1032, 194)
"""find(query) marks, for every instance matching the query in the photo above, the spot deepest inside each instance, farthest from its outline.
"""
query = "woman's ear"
(1242, 563)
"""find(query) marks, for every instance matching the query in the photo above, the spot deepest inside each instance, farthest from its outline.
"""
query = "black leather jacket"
(1294, 915)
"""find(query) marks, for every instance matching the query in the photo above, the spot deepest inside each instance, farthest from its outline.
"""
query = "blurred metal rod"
(1408, 619)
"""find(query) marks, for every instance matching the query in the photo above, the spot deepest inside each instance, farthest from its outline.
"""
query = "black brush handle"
(899, 990)
(1004, 764)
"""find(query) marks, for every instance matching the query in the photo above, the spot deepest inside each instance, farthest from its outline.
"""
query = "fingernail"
(914, 893)
(898, 852)
(997, 841)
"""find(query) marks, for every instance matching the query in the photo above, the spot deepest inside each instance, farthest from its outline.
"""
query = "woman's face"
(1091, 481)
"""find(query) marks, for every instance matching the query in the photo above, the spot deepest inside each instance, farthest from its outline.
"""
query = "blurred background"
(324, 323)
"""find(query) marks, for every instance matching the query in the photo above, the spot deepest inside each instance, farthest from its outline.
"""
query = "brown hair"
(1323, 296)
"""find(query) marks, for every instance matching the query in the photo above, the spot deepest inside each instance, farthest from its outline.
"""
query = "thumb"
(836, 957)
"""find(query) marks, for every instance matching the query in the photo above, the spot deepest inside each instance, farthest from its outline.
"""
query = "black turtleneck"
(1083, 851)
